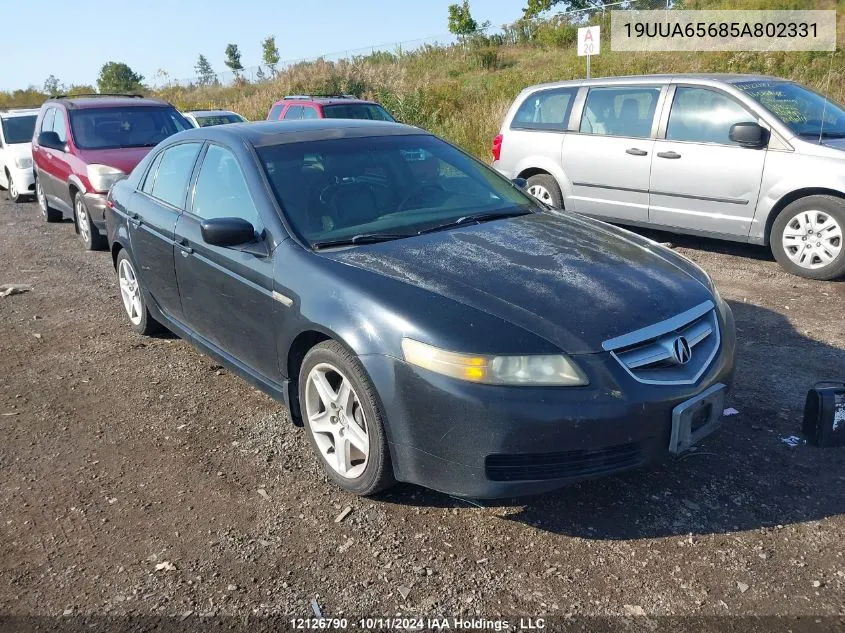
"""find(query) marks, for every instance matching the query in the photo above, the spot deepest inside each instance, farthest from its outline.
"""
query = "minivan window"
(174, 172)
(60, 126)
(545, 110)
(623, 111)
(47, 122)
(310, 113)
(221, 190)
(293, 112)
(803, 111)
(700, 115)
(275, 111)
(19, 129)
(138, 126)
(369, 111)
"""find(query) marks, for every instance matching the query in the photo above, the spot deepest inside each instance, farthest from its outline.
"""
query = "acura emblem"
(681, 351)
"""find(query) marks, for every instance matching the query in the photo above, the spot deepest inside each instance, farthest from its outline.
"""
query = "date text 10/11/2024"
(419, 624)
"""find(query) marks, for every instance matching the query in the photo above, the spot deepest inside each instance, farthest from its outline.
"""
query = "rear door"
(608, 159)
(227, 293)
(153, 214)
(700, 179)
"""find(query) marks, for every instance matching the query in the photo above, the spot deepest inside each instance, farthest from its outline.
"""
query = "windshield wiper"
(475, 217)
(362, 238)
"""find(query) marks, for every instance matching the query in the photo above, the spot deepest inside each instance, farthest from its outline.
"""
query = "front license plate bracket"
(696, 418)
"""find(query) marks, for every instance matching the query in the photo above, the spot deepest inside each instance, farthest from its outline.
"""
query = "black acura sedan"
(420, 315)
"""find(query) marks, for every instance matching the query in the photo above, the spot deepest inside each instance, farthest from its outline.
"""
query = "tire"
(85, 229)
(12, 191)
(132, 297)
(49, 214)
(544, 187)
(799, 246)
(360, 417)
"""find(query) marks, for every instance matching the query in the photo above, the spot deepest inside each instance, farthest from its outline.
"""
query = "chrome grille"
(656, 354)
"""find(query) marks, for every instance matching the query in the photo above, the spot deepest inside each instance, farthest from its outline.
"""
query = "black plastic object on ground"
(824, 414)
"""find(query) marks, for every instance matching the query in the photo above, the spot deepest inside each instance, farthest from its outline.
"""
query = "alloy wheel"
(541, 193)
(812, 239)
(13, 190)
(82, 221)
(42, 199)
(130, 291)
(337, 421)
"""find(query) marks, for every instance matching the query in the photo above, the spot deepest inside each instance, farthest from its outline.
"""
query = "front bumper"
(96, 205)
(24, 180)
(486, 441)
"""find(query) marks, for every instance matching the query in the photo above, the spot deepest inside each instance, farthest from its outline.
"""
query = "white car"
(204, 118)
(16, 175)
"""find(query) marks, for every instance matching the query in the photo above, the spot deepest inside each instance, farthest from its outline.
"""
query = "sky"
(169, 35)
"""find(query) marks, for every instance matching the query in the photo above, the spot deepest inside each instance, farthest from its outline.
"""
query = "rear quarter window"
(545, 110)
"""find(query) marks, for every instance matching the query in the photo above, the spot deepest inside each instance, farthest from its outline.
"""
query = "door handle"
(668, 154)
(135, 220)
(185, 249)
(636, 151)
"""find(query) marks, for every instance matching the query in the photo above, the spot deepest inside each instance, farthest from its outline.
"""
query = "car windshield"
(386, 187)
(18, 129)
(218, 119)
(108, 128)
(805, 112)
(357, 111)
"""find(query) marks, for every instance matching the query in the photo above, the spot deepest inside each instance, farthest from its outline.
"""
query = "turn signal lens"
(537, 370)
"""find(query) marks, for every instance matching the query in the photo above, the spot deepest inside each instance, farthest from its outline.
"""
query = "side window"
(221, 190)
(174, 172)
(294, 112)
(150, 179)
(623, 111)
(310, 113)
(545, 110)
(275, 112)
(60, 125)
(47, 122)
(700, 115)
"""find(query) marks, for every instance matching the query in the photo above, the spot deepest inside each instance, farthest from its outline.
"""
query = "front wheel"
(133, 298)
(806, 237)
(343, 420)
(12, 190)
(49, 214)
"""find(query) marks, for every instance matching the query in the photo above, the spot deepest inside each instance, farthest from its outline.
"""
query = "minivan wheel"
(49, 215)
(88, 233)
(807, 237)
(133, 297)
(544, 187)
(343, 420)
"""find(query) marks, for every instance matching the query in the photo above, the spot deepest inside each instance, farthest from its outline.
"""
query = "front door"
(608, 160)
(700, 179)
(227, 293)
(157, 205)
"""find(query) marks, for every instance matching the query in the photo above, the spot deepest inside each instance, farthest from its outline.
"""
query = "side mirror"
(749, 135)
(51, 140)
(227, 232)
(520, 182)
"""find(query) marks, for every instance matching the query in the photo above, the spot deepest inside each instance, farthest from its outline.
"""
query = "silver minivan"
(740, 157)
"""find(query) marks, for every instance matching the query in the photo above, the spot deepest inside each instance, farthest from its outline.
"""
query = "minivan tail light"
(497, 147)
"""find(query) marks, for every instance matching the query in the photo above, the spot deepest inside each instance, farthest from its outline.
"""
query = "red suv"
(83, 144)
(327, 107)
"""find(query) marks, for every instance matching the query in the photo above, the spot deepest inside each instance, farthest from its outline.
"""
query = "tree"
(205, 73)
(118, 77)
(233, 59)
(461, 22)
(270, 54)
(536, 7)
(52, 86)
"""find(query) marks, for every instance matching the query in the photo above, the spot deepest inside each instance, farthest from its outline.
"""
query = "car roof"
(210, 112)
(728, 78)
(324, 100)
(106, 101)
(13, 112)
(265, 133)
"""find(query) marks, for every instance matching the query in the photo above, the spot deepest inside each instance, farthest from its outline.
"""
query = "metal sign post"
(589, 43)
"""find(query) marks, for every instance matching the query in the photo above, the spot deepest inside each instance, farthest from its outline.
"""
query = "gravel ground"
(137, 477)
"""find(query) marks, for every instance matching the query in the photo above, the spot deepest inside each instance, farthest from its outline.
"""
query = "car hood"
(835, 143)
(19, 150)
(574, 281)
(122, 158)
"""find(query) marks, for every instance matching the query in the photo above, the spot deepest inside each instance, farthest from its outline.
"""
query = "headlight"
(539, 370)
(102, 177)
(23, 163)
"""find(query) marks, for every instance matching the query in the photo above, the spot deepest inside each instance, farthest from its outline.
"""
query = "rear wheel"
(133, 298)
(544, 187)
(807, 237)
(343, 420)
(49, 214)
(88, 233)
